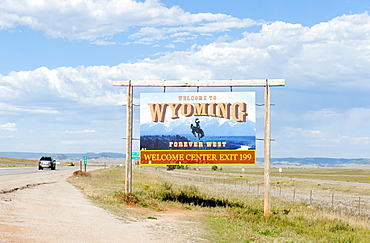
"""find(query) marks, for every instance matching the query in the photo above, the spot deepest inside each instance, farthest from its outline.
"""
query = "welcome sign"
(197, 128)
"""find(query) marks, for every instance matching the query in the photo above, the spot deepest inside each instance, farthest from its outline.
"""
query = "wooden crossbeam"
(201, 83)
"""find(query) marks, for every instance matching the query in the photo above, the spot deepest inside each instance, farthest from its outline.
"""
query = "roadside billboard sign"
(197, 128)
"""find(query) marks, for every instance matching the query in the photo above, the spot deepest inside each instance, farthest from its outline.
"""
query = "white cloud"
(298, 142)
(328, 57)
(89, 85)
(351, 121)
(104, 42)
(323, 114)
(94, 19)
(170, 46)
(359, 118)
(79, 132)
(8, 130)
(331, 55)
(302, 133)
(8, 127)
(326, 132)
(83, 142)
(307, 57)
(323, 138)
(345, 140)
(8, 108)
(223, 23)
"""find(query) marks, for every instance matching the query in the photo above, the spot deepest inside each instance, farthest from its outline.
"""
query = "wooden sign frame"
(207, 83)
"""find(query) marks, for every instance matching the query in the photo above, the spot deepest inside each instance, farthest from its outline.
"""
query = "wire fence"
(345, 203)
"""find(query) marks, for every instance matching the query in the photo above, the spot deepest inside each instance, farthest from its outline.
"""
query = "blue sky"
(58, 60)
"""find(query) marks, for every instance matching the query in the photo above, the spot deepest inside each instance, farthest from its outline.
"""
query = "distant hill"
(60, 156)
(292, 162)
(317, 162)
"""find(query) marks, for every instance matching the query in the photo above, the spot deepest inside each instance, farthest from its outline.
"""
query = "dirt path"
(49, 209)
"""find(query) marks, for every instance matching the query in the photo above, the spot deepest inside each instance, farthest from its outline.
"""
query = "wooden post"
(359, 205)
(332, 200)
(128, 179)
(267, 142)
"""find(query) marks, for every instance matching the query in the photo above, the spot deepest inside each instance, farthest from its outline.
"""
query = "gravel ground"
(46, 208)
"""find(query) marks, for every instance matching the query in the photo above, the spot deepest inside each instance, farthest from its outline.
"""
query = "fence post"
(310, 197)
(332, 200)
(294, 193)
(359, 205)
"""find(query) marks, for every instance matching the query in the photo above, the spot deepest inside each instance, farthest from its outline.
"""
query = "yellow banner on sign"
(192, 157)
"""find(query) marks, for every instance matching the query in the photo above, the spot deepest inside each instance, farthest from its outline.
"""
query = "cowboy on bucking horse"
(197, 129)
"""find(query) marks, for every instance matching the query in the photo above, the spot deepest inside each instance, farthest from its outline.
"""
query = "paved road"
(25, 170)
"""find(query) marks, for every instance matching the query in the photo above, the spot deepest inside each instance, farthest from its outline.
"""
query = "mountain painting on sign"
(197, 121)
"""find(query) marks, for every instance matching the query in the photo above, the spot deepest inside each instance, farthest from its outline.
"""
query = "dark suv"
(47, 162)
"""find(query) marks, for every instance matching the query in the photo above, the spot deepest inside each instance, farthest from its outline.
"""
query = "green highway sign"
(135, 155)
(85, 160)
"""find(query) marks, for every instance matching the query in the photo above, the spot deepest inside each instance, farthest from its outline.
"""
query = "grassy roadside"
(12, 162)
(227, 216)
(331, 174)
(289, 183)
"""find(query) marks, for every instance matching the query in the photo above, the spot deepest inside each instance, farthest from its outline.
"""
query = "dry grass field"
(11, 162)
(231, 203)
(348, 199)
(332, 174)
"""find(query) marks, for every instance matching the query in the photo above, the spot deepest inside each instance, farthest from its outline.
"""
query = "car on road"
(47, 162)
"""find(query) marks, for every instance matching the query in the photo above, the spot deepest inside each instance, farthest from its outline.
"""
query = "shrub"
(81, 173)
(128, 198)
(171, 167)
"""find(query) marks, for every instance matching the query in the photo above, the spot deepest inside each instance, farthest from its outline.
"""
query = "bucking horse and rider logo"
(196, 130)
